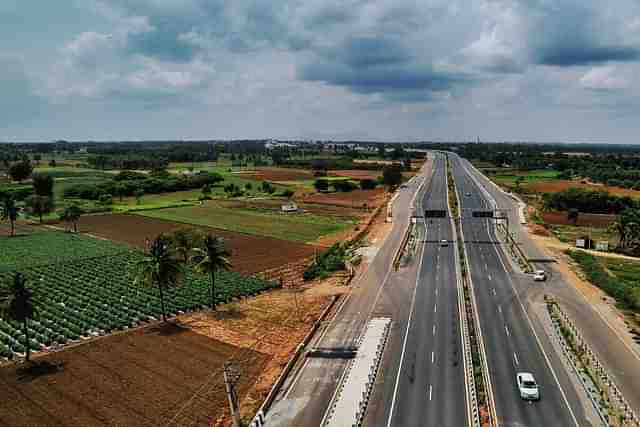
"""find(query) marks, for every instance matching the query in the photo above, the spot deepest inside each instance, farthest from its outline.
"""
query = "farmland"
(295, 227)
(138, 378)
(584, 219)
(89, 291)
(249, 254)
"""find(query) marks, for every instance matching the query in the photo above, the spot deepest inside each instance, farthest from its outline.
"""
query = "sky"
(392, 70)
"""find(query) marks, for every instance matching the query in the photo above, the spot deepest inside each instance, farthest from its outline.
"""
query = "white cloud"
(603, 78)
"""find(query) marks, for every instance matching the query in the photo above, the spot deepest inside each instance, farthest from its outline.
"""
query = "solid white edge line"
(500, 254)
(406, 335)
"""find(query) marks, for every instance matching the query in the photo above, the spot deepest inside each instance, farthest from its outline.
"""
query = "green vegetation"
(292, 226)
(85, 287)
(587, 201)
(330, 261)
(50, 248)
(569, 233)
(617, 277)
(508, 178)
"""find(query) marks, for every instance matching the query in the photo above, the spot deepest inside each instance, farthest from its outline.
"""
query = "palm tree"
(72, 213)
(211, 257)
(184, 240)
(9, 212)
(20, 306)
(160, 267)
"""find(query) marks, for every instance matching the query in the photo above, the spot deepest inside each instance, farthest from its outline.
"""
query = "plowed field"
(554, 186)
(249, 254)
(140, 378)
(584, 219)
(277, 174)
(352, 199)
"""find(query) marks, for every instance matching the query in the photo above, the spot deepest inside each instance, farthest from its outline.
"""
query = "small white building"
(289, 207)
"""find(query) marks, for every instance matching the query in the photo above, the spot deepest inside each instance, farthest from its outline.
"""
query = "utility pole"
(231, 377)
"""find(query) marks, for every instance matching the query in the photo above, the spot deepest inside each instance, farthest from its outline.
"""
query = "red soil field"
(584, 219)
(554, 186)
(139, 378)
(249, 254)
(356, 173)
(373, 198)
(277, 174)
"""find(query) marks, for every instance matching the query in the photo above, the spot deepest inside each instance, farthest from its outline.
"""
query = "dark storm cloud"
(563, 56)
(409, 82)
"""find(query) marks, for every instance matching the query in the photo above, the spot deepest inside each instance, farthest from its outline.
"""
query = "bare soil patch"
(584, 219)
(356, 173)
(273, 324)
(554, 186)
(139, 378)
(352, 199)
(277, 174)
(249, 254)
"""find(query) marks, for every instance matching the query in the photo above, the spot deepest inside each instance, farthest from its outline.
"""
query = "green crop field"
(52, 247)
(90, 290)
(297, 226)
(509, 178)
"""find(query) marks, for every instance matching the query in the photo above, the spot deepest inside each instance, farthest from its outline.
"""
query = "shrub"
(368, 184)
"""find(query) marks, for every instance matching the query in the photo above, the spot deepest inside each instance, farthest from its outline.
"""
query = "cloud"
(603, 78)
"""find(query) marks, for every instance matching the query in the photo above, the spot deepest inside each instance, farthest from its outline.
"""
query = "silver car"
(527, 386)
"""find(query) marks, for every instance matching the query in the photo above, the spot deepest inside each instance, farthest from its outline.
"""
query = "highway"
(429, 387)
(305, 396)
(510, 342)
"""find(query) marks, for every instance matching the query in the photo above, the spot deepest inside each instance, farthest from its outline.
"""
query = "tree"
(368, 184)
(248, 186)
(52, 163)
(20, 307)
(9, 212)
(392, 176)
(119, 190)
(627, 227)
(321, 184)
(160, 267)
(573, 215)
(43, 185)
(21, 170)
(138, 193)
(185, 240)
(72, 214)
(39, 205)
(206, 191)
(211, 257)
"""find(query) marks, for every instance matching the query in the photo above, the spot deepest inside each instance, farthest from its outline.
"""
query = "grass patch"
(295, 227)
(508, 179)
(569, 233)
(619, 278)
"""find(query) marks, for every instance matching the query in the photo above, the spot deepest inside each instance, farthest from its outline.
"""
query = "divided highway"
(429, 387)
(510, 342)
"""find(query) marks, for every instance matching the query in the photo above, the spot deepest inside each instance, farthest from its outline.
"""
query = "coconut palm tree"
(211, 257)
(9, 212)
(72, 214)
(185, 240)
(20, 306)
(160, 267)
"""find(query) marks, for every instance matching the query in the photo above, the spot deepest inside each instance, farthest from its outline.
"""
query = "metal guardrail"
(600, 379)
(493, 418)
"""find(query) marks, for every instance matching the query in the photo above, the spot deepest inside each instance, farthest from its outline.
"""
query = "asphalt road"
(429, 388)
(304, 398)
(620, 359)
(510, 342)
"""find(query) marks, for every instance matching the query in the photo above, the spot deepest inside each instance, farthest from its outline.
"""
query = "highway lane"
(429, 388)
(511, 344)
(306, 395)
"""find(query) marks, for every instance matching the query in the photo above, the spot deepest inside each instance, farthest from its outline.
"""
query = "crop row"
(95, 296)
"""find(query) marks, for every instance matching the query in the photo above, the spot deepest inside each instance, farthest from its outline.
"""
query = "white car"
(527, 386)
(467, 194)
(444, 242)
(539, 276)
